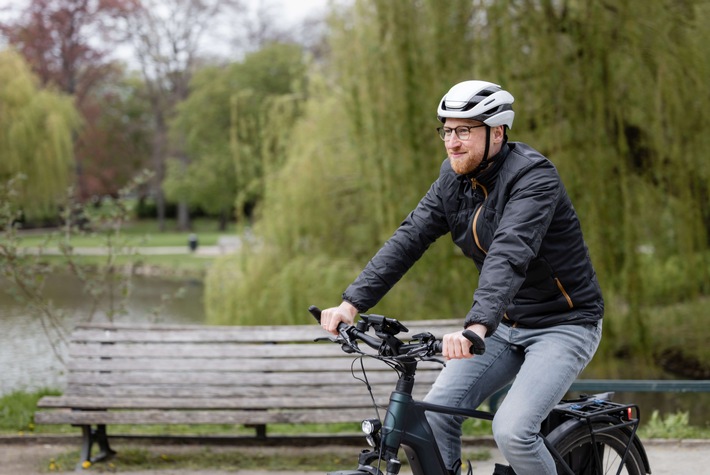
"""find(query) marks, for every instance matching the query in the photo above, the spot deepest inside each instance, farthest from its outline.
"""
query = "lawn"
(140, 237)
(139, 233)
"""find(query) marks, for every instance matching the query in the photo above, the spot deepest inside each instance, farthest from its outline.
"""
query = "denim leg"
(467, 383)
(554, 357)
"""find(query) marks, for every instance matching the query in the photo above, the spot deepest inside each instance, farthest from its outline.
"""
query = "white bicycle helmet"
(478, 100)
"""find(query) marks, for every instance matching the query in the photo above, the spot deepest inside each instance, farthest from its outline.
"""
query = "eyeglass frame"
(442, 131)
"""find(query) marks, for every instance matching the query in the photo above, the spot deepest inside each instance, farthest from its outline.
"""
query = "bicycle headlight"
(371, 426)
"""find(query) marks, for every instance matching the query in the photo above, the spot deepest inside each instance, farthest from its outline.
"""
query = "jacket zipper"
(475, 184)
(564, 292)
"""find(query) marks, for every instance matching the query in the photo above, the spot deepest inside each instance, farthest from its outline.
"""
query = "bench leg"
(91, 436)
(259, 428)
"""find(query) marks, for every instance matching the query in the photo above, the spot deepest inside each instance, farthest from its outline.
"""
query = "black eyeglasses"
(463, 132)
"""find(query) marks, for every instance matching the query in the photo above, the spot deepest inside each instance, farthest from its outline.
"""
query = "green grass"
(671, 426)
(167, 265)
(201, 458)
(17, 410)
(132, 458)
(139, 233)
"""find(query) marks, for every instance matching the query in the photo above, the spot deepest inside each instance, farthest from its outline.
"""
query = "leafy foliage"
(233, 122)
(36, 127)
(672, 426)
(57, 38)
(114, 144)
(54, 36)
(620, 117)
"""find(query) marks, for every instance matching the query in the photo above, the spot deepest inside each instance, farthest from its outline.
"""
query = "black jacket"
(518, 225)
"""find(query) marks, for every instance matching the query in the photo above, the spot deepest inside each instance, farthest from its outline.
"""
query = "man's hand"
(331, 317)
(457, 346)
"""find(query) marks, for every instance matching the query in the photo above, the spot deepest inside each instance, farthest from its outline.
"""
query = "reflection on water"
(27, 359)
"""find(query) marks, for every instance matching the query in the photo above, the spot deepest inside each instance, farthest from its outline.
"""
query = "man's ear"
(498, 133)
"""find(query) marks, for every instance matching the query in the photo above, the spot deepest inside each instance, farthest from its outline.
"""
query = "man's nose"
(453, 140)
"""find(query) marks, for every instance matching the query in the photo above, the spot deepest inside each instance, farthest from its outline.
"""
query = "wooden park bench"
(193, 374)
(253, 376)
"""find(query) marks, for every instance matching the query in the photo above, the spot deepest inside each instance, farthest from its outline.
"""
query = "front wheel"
(599, 458)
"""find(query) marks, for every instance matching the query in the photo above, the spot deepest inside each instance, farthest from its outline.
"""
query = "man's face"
(466, 155)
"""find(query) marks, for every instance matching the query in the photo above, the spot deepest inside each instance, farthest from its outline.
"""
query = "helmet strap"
(484, 162)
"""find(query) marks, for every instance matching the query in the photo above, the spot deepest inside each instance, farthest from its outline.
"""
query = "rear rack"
(593, 410)
(590, 410)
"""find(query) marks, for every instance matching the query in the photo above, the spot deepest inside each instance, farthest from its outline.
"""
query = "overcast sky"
(287, 14)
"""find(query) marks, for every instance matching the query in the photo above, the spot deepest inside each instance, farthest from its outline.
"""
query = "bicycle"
(590, 435)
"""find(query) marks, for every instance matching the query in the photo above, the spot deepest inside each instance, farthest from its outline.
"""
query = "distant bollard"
(192, 242)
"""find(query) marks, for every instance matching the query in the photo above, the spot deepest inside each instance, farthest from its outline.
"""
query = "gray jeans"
(542, 362)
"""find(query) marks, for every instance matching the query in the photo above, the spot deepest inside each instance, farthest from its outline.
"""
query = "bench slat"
(202, 335)
(204, 378)
(245, 334)
(323, 400)
(151, 391)
(414, 326)
(244, 365)
(148, 417)
(210, 350)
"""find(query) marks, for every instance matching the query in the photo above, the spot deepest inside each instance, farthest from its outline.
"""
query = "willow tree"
(364, 154)
(36, 127)
(231, 122)
(611, 92)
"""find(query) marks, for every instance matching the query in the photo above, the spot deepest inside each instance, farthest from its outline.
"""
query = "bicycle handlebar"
(350, 330)
(435, 346)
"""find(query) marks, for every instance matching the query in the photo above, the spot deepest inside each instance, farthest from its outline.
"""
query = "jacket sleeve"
(533, 197)
(424, 225)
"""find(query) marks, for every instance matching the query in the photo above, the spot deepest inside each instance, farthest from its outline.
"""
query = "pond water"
(28, 362)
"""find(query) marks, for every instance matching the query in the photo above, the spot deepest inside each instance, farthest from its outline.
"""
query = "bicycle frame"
(406, 426)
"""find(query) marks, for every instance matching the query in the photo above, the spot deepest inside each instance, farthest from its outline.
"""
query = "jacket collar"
(487, 177)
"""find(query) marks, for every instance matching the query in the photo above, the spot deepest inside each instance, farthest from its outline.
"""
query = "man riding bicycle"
(538, 303)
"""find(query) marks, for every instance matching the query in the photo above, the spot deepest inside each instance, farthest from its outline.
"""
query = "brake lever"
(331, 339)
(347, 344)
(435, 360)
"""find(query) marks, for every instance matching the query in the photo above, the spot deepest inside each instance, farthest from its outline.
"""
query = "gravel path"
(667, 457)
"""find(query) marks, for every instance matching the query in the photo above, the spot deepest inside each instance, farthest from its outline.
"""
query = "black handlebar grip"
(478, 346)
(315, 311)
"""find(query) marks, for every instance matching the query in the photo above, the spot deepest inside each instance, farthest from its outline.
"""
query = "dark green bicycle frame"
(406, 426)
